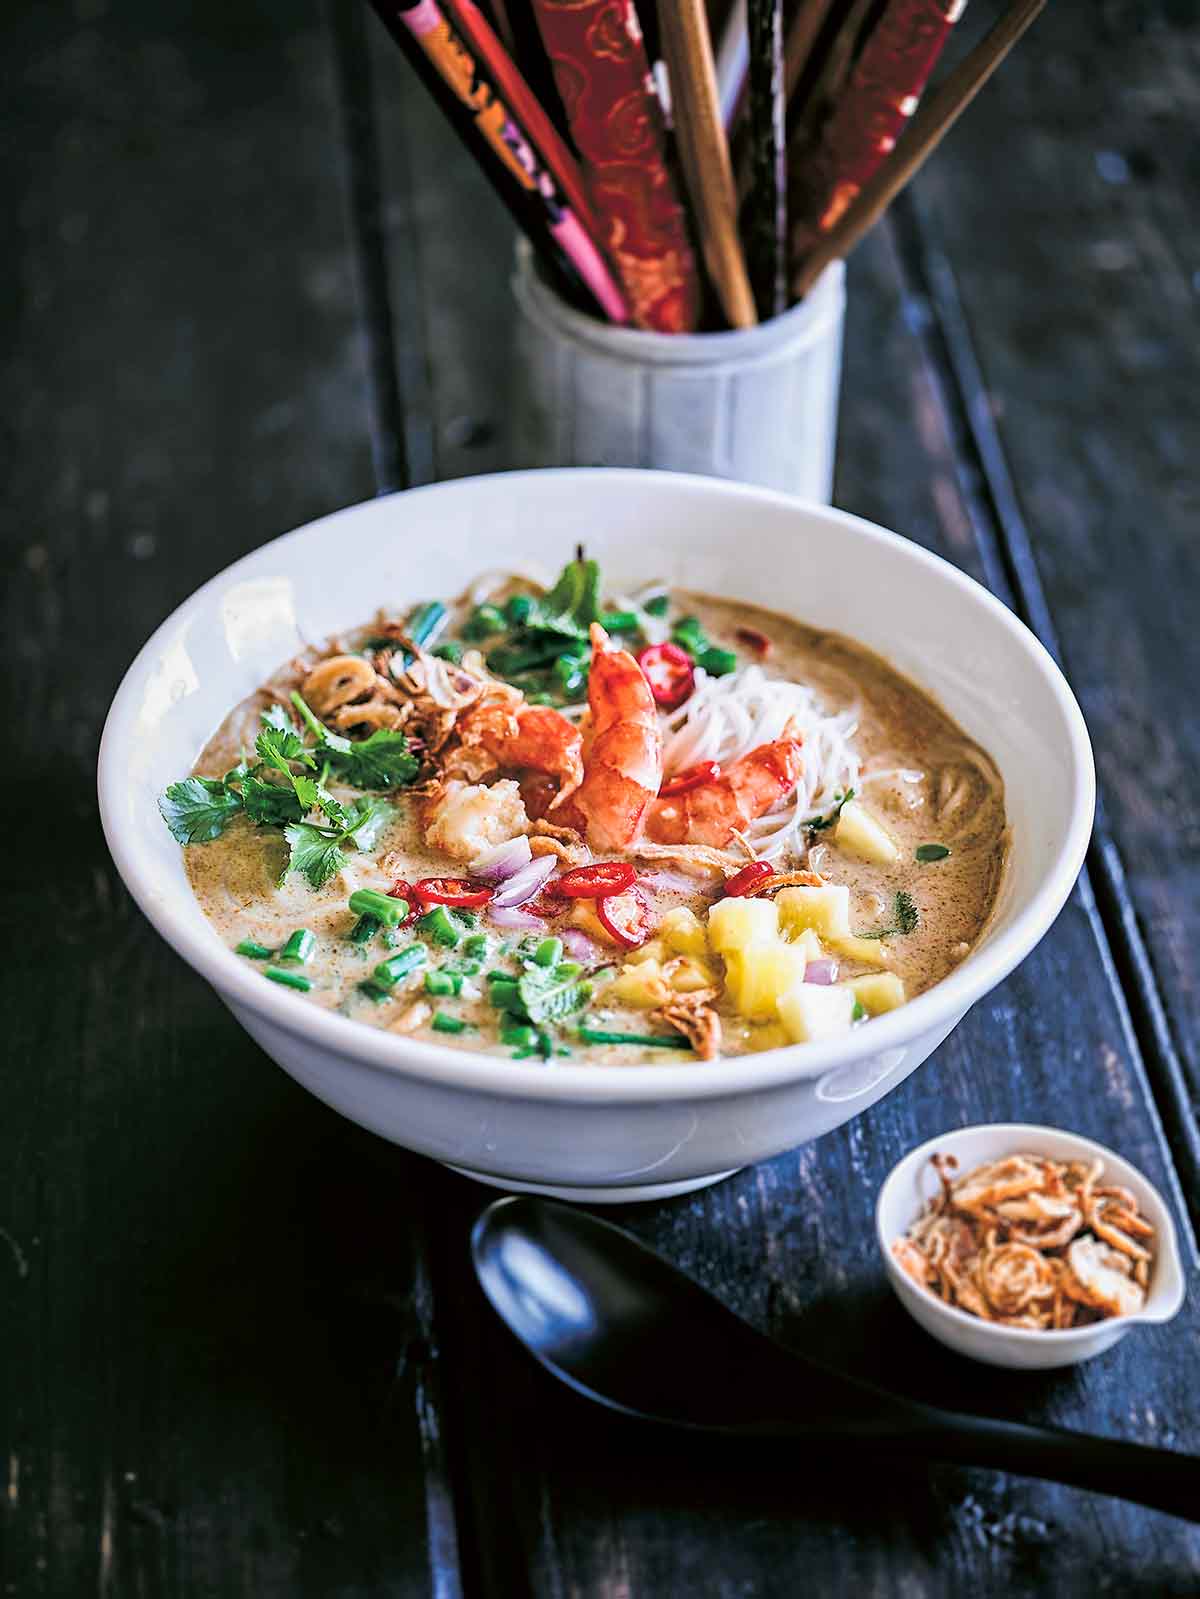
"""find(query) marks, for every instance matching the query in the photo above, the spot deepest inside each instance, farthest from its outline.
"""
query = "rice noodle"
(727, 717)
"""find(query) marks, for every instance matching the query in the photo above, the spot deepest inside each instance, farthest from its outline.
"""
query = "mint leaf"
(547, 998)
(198, 809)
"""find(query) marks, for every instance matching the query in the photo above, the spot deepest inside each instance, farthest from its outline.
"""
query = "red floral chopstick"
(603, 77)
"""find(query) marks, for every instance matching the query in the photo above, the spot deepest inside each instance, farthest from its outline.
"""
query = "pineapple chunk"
(877, 992)
(655, 950)
(688, 973)
(868, 951)
(757, 976)
(809, 1012)
(810, 944)
(768, 1035)
(683, 932)
(642, 986)
(858, 833)
(737, 924)
(826, 910)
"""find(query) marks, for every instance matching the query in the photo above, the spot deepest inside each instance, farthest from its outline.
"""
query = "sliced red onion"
(498, 864)
(822, 971)
(578, 945)
(524, 884)
(516, 921)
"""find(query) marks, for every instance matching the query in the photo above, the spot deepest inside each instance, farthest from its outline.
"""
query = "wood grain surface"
(242, 1352)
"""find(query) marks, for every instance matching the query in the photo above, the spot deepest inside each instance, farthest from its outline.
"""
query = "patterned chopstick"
(603, 77)
(766, 207)
(524, 166)
(881, 94)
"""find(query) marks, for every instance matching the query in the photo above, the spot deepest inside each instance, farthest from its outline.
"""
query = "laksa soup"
(553, 824)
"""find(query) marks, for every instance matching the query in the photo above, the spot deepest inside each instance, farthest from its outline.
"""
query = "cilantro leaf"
(275, 716)
(277, 746)
(198, 809)
(368, 818)
(384, 760)
(830, 818)
(270, 804)
(315, 851)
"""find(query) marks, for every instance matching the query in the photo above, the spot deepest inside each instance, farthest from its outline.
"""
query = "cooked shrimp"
(622, 768)
(711, 812)
(519, 737)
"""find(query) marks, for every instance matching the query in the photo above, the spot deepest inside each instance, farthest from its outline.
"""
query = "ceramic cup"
(758, 405)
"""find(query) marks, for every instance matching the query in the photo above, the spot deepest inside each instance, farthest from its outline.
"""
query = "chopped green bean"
(391, 971)
(717, 662)
(253, 951)
(518, 609)
(387, 911)
(288, 979)
(548, 952)
(373, 992)
(443, 983)
(438, 925)
(485, 621)
(657, 604)
(299, 947)
(364, 929)
(451, 651)
(519, 1036)
(476, 947)
(463, 968)
(597, 1035)
(566, 970)
(620, 622)
(449, 1024)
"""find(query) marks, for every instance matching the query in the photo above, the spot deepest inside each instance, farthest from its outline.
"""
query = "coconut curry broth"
(936, 787)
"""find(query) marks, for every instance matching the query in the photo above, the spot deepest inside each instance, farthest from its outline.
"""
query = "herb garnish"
(904, 909)
(931, 852)
(830, 817)
(318, 853)
(199, 809)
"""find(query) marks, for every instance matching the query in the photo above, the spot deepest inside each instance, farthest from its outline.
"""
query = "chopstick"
(932, 122)
(766, 207)
(801, 38)
(704, 153)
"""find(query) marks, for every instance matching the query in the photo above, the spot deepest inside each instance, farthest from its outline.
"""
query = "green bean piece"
(467, 919)
(364, 929)
(657, 604)
(253, 951)
(299, 947)
(717, 662)
(548, 952)
(476, 947)
(288, 979)
(443, 983)
(386, 910)
(519, 1036)
(393, 970)
(451, 651)
(485, 621)
(545, 1044)
(463, 968)
(438, 925)
(566, 970)
(620, 622)
(450, 1024)
(519, 609)
(598, 1035)
(372, 991)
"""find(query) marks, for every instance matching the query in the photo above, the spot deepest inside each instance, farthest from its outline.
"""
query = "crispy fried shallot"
(693, 1016)
(1030, 1242)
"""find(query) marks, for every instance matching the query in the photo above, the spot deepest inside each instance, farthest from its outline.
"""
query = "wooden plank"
(218, 1370)
(1088, 390)
(569, 1500)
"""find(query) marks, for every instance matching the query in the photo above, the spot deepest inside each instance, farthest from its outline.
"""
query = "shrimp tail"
(623, 759)
(712, 812)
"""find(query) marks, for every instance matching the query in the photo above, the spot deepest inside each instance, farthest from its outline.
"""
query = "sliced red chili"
(748, 879)
(456, 891)
(403, 889)
(625, 917)
(597, 881)
(753, 639)
(691, 777)
(669, 672)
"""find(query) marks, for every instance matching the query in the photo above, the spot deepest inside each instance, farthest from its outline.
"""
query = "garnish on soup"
(558, 824)
(1031, 1242)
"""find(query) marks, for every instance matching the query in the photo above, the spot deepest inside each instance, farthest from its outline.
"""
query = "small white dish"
(912, 1183)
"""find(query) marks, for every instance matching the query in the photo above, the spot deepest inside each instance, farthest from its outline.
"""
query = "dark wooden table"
(248, 279)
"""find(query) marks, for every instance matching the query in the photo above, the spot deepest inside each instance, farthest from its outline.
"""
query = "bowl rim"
(938, 1006)
(1169, 1256)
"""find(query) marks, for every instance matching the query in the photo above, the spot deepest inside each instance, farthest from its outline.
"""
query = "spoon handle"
(1158, 1478)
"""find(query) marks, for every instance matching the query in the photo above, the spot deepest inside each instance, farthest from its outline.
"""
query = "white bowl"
(912, 1183)
(600, 1131)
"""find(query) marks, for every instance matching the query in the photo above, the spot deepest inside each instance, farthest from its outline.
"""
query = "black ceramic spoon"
(622, 1326)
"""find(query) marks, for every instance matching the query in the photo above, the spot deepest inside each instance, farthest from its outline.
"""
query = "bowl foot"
(638, 1194)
